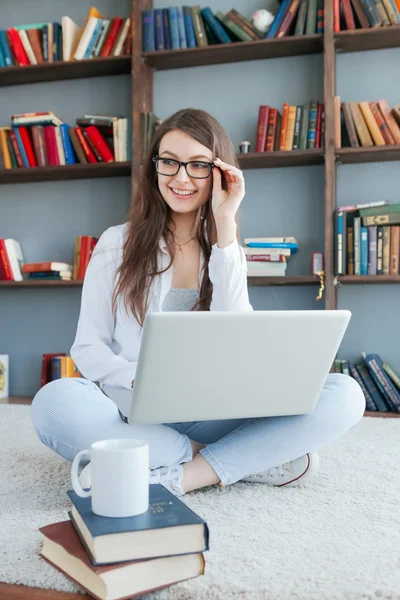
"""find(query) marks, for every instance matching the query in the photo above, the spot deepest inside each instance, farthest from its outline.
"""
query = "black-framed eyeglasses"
(197, 169)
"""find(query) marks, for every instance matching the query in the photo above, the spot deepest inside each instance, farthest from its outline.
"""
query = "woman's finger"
(216, 180)
(234, 170)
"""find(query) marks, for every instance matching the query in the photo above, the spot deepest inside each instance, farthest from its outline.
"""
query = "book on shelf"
(367, 124)
(367, 240)
(362, 14)
(294, 128)
(38, 43)
(378, 380)
(63, 550)
(57, 366)
(42, 139)
(268, 257)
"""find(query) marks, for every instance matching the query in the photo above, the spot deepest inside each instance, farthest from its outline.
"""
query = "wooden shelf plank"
(62, 172)
(29, 283)
(368, 39)
(58, 71)
(347, 156)
(285, 280)
(387, 415)
(235, 52)
(294, 158)
(376, 279)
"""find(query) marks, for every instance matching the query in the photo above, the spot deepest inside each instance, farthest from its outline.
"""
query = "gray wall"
(46, 217)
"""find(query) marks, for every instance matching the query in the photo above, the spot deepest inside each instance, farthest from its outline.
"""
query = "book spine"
(372, 388)
(357, 254)
(394, 250)
(189, 29)
(318, 131)
(386, 249)
(271, 129)
(285, 114)
(262, 126)
(149, 40)
(372, 124)
(159, 29)
(215, 26)
(280, 15)
(198, 25)
(5, 262)
(391, 13)
(85, 146)
(5, 49)
(18, 47)
(38, 143)
(27, 143)
(348, 15)
(361, 14)
(311, 25)
(291, 121)
(340, 267)
(111, 37)
(380, 121)
(297, 126)
(392, 374)
(387, 115)
(370, 404)
(301, 18)
(372, 235)
(360, 125)
(312, 125)
(389, 219)
(288, 19)
(388, 390)
(304, 127)
(371, 12)
(16, 148)
(100, 143)
(380, 9)
(364, 250)
(379, 250)
(320, 16)
(167, 34)
(350, 250)
(181, 28)
(66, 142)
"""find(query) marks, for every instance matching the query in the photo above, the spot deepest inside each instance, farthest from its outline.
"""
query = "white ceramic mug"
(119, 475)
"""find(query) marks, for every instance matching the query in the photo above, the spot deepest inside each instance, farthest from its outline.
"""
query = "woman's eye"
(167, 162)
(199, 165)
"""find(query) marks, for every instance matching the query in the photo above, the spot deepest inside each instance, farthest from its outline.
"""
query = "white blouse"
(106, 346)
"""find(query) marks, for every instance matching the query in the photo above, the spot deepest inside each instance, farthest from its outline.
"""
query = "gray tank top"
(180, 299)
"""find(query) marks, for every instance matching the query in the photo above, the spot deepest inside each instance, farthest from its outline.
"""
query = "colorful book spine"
(372, 235)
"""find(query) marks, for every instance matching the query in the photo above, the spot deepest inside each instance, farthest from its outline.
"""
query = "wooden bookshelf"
(63, 172)
(347, 156)
(60, 70)
(375, 38)
(235, 52)
(390, 415)
(30, 283)
(373, 279)
(273, 160)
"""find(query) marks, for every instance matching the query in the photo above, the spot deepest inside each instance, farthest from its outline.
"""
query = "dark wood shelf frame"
(272, 160)
(235, 52)
(65, 172)
(374, 279)
(30, 283)
(60, 70)
(347, 156)
(376, 38)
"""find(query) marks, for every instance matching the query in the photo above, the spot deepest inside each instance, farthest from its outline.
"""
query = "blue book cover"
(5, 48)
(159, 29)
(93, 39)
(149, 40)
(369, 403)
(45, 42)
(2, 59)
(383, 381)
(278, 18)
(57, 42)
(166, 512)
(70, 157)
(215, 26)
(293, 247)
(167, 34)
(364, 250)
(21, 147)
(372, 388)
(189, 29)
(181, 27)
(174, 29)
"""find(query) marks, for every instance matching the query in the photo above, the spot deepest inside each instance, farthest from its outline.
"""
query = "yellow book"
(290, 128)
(71, 368)
(93, 12)
(4, 150)
(372, 124)
(77, 253)
(360, 125)
(63, 365)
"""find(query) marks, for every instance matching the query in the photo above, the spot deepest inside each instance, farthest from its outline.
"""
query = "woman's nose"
(182, 174)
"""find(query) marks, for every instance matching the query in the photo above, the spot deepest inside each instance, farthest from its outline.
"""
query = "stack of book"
(366, 124)
(298, 17)
(14, 268)
(368, 239)
(190, 27)
(297, 128)
(378, 380)
(115, 558)
(56, 366)
(360, 14)
(37, 43)
(42, 139)
(268, 256)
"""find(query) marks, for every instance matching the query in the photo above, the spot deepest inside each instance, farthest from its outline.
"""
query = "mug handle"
(74, 474)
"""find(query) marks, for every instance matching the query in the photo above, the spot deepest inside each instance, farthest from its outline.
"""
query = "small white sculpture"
(262, 19)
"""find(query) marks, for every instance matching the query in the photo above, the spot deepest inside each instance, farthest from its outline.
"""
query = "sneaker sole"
(310, 470)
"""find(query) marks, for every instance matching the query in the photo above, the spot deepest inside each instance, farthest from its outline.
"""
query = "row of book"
(378, 380)
(268, 256)
(57, 366)
(116, 558)
(368, 240)
(297, 128)
(36, 43)
(366, 124)
(361, 14)
(14, 268)
(298, 17)
(42, 139)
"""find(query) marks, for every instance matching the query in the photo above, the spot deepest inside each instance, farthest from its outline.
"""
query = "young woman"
(179, 251)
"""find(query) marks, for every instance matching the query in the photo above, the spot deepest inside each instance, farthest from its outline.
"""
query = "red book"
(51, 145)
(271, 129)
(85, 146)
(84, 256)
(318, 128)
(19, 50)
(262, 127)
(38, 267)
(336, 15)
(5, 263)
(383, 126)
(100, 143)
(111, 36)
(266, 257)
(348, 14)
(288, 18)
(28, 146)
(285, 114)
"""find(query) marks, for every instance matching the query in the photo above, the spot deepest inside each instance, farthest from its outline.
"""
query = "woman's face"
(182, 193)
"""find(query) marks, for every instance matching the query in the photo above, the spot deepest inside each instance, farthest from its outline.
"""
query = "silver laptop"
(196, 366)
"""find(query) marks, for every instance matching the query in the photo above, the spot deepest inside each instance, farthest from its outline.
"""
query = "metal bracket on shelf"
(336, 282)
(321, 275)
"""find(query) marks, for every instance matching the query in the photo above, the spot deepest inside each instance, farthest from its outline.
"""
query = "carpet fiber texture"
(336, 538)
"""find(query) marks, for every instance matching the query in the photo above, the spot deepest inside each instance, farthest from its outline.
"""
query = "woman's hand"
(225, 203)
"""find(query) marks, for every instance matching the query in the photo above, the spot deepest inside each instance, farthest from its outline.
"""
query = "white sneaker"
(169, 477)
(292, 473)
(85, 477)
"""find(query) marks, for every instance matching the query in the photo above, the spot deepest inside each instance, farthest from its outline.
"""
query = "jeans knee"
(52, 400)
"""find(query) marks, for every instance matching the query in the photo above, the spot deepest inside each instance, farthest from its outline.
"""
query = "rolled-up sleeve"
(228, 273)
(91, 350)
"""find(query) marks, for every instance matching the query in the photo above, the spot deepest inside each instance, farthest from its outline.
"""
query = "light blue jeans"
(70, 414)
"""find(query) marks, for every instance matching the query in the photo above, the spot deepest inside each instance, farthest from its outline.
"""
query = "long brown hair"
(150, 217)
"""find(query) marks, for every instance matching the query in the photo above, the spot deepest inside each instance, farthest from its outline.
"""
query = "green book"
(304, 127)
(380, 210)
(235, 29)
(392, 374)
(30, 26)
(311, 23)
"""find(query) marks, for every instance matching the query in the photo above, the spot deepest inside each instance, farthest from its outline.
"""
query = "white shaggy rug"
(338, 538)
